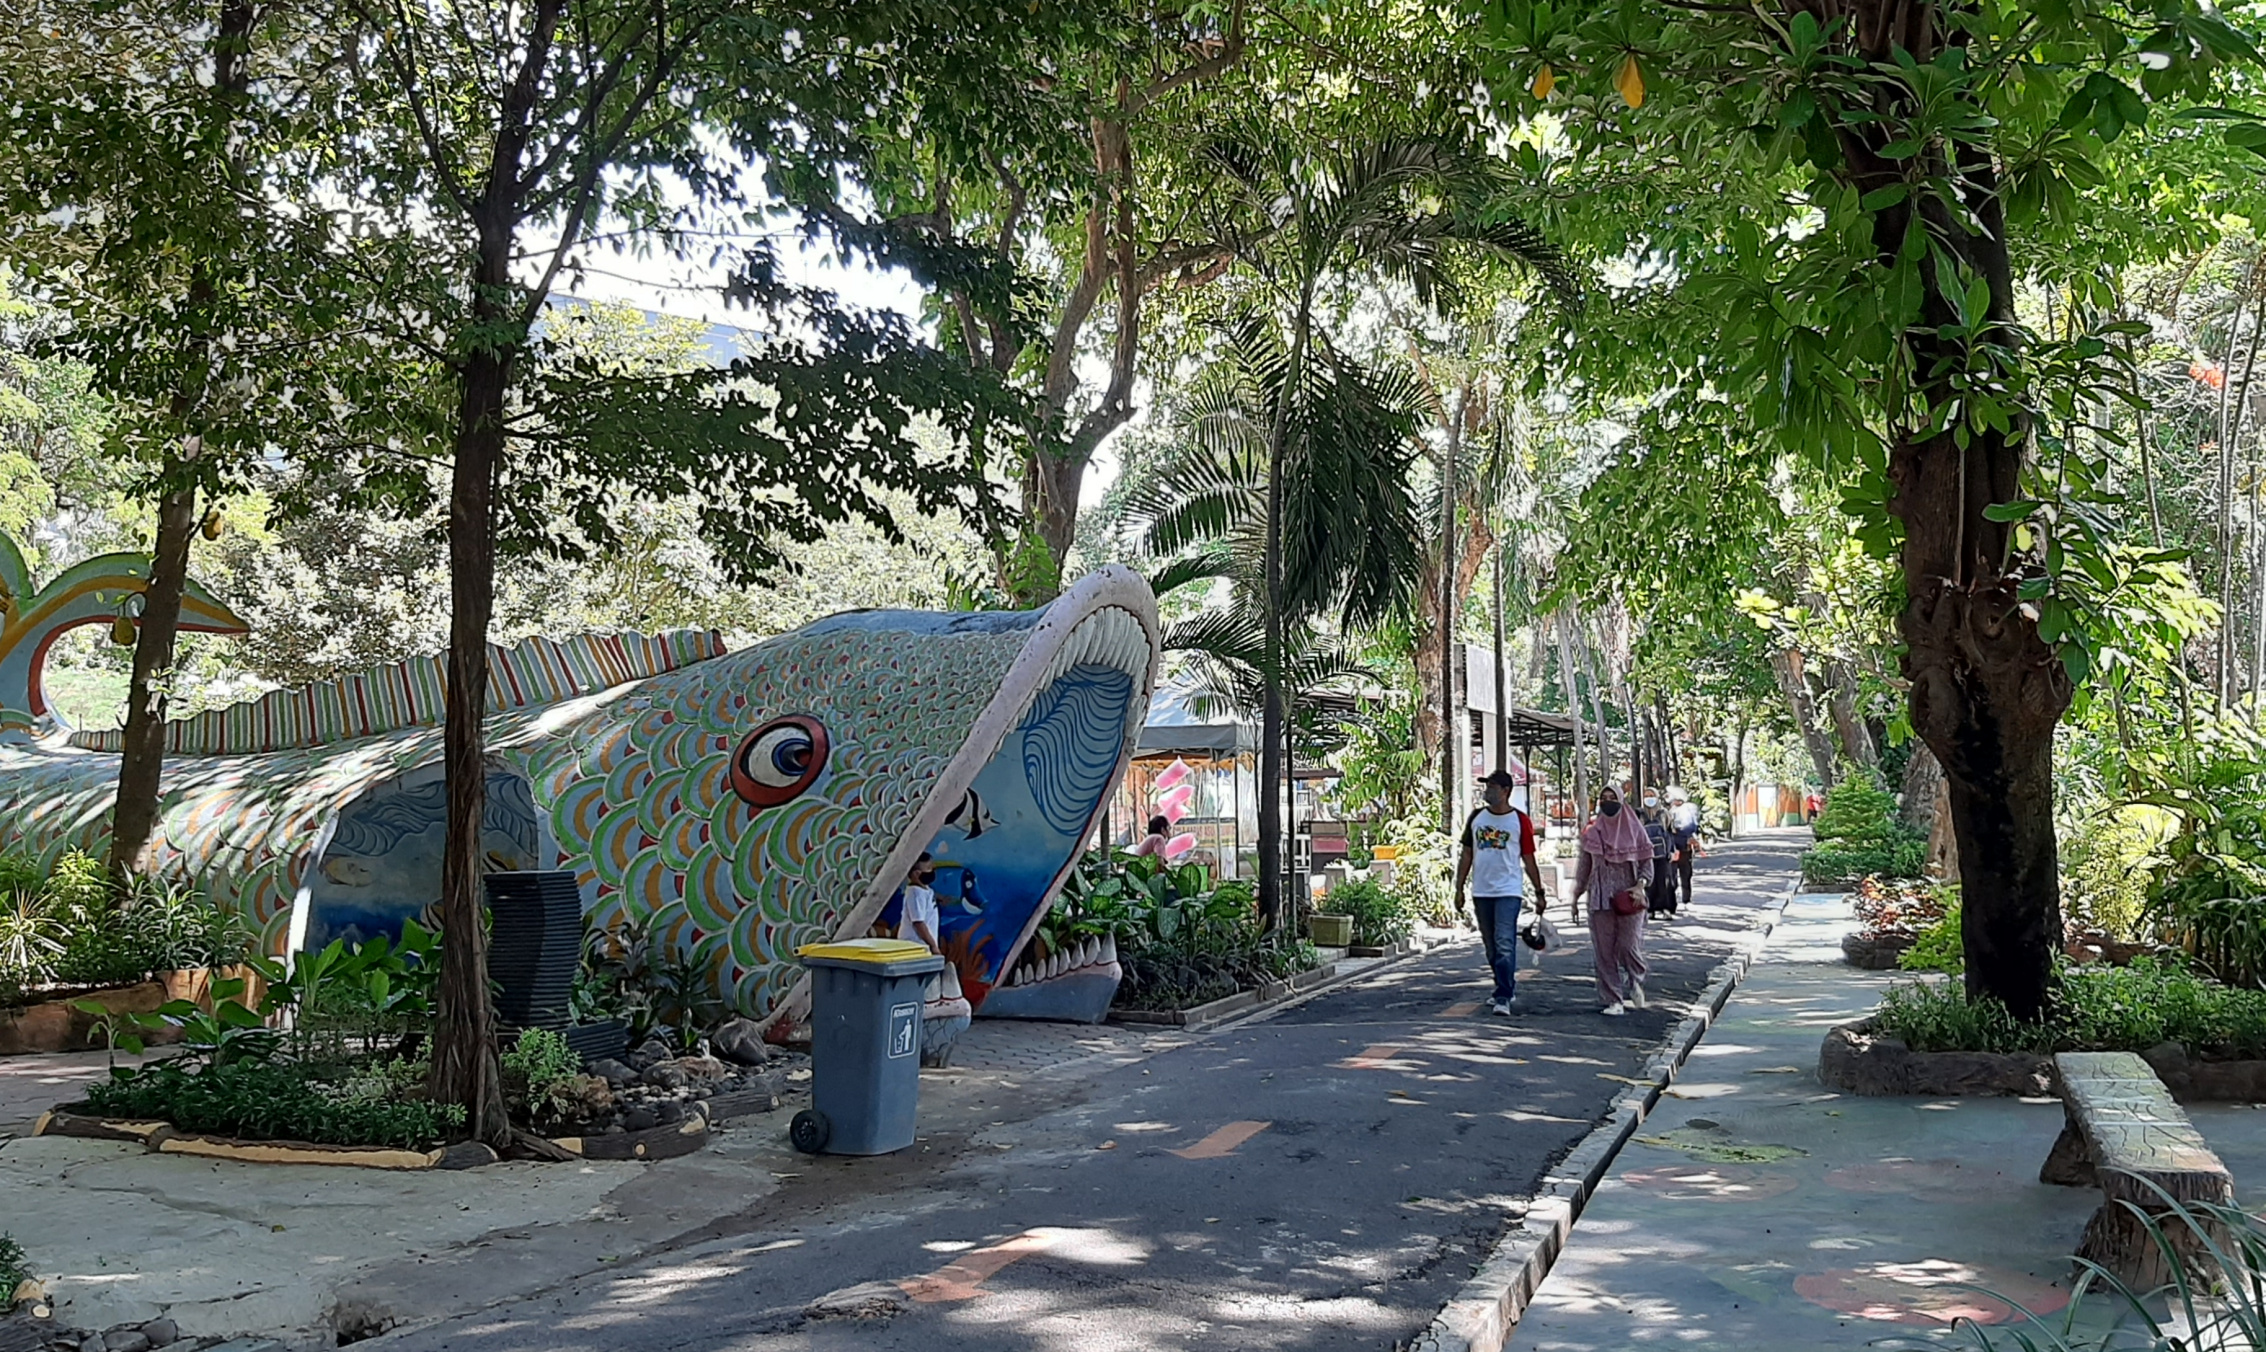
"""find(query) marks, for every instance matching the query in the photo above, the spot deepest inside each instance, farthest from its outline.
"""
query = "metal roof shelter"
(1175, 725)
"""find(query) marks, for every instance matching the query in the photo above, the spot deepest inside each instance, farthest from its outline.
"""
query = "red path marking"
(963, 1277)
(1462, 1011)
(1223, 1142)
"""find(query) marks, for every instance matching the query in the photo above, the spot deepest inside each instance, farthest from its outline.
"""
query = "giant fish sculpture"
(736, 805)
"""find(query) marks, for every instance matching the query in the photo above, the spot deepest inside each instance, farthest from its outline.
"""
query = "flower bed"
(1894, 915)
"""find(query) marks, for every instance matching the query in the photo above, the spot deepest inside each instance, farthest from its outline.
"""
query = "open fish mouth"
(1038, 766)
(1096, 954)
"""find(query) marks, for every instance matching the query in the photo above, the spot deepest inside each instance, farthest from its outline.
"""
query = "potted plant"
(1330, 931)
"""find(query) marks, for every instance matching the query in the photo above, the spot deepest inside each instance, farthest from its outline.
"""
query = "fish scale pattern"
(641, 806)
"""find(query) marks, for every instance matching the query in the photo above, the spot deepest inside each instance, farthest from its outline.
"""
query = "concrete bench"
(2125, 1135)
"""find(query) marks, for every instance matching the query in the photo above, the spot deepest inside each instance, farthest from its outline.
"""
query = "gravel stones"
(614, 1073)
(665, 1075)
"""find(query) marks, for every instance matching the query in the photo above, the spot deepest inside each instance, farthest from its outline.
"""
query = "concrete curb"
(1480, 1317)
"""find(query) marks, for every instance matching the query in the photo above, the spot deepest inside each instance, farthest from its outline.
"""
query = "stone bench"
(2125, 1135)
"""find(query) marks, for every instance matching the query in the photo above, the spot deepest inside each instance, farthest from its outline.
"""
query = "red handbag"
(1628, 901)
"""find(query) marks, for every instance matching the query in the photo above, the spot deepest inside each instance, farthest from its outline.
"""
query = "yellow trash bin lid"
(876, 952)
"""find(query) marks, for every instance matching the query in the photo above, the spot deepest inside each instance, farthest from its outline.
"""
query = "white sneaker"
(1502, 1007)
(1614, 1010)
(1636, 996)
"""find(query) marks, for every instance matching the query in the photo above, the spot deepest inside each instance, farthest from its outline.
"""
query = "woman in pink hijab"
(1615, 870)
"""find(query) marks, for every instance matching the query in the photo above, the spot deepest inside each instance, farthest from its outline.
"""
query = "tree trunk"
(141, 768)
(1738, 770)
(1502, 678)
(1271, 766)
(465, 1067)
(1848, 725)
(1786, 665)
(1573, 705)
(1477, 539)
(1986, 690)
(1453, 736)
(1923, 777)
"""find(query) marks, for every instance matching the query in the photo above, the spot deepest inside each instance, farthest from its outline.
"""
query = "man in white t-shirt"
(919, 920)
(1497, 839)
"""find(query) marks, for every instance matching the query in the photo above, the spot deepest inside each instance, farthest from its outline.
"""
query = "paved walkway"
(1321, 1178)
(1757, 1211)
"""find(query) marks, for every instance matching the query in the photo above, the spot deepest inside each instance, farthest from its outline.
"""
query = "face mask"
(1610, 809)
(1651, 801)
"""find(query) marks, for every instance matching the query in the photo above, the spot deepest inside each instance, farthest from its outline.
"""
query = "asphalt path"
(1322, 1178)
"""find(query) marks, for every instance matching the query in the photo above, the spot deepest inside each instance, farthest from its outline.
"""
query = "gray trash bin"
(865, 1045)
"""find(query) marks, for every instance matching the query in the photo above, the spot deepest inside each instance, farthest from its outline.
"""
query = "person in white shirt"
(1497, 839)
(919, 920)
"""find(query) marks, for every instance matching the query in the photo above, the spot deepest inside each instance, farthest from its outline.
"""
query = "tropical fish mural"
(737, 804)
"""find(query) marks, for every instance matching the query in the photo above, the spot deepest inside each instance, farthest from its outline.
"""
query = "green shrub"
(541, 1059)
(279, 1101)
(1859, 810)
(1380, 917)
(1424, 873)
(1902, 854)
(2098, 1008)
(1858, 836)
(2107, 866)
(77, 926)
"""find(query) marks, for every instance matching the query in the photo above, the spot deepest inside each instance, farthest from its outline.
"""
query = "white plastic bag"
(1539, 937)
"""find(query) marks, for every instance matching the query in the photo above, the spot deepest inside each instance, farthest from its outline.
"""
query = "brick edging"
(1480, 1316)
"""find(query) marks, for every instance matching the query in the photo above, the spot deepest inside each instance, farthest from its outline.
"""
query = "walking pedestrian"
(1497, 840)
(1614, 872)
(1683, 837)
(1152, 845)
(1660, 897)
(921, 920)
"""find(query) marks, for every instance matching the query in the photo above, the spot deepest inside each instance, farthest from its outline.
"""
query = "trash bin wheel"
(809, 1131)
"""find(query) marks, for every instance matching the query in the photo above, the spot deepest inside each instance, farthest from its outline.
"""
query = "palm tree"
(1402, 210)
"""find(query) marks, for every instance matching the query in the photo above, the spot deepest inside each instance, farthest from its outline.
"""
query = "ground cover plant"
(2095, 1008)
(331, 1053)
(336, 1103)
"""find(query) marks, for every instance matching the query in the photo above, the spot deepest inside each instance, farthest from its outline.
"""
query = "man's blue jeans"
(1499, 938)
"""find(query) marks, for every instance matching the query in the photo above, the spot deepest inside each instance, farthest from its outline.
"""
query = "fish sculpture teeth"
(731, 806)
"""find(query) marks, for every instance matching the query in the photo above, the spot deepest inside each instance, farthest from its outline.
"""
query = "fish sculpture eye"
(779, 760)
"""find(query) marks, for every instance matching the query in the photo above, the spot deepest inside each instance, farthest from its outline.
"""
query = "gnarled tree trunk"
(1793, 682)
(1986, 689)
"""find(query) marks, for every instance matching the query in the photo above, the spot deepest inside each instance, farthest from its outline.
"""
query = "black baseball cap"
(1502, 777)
